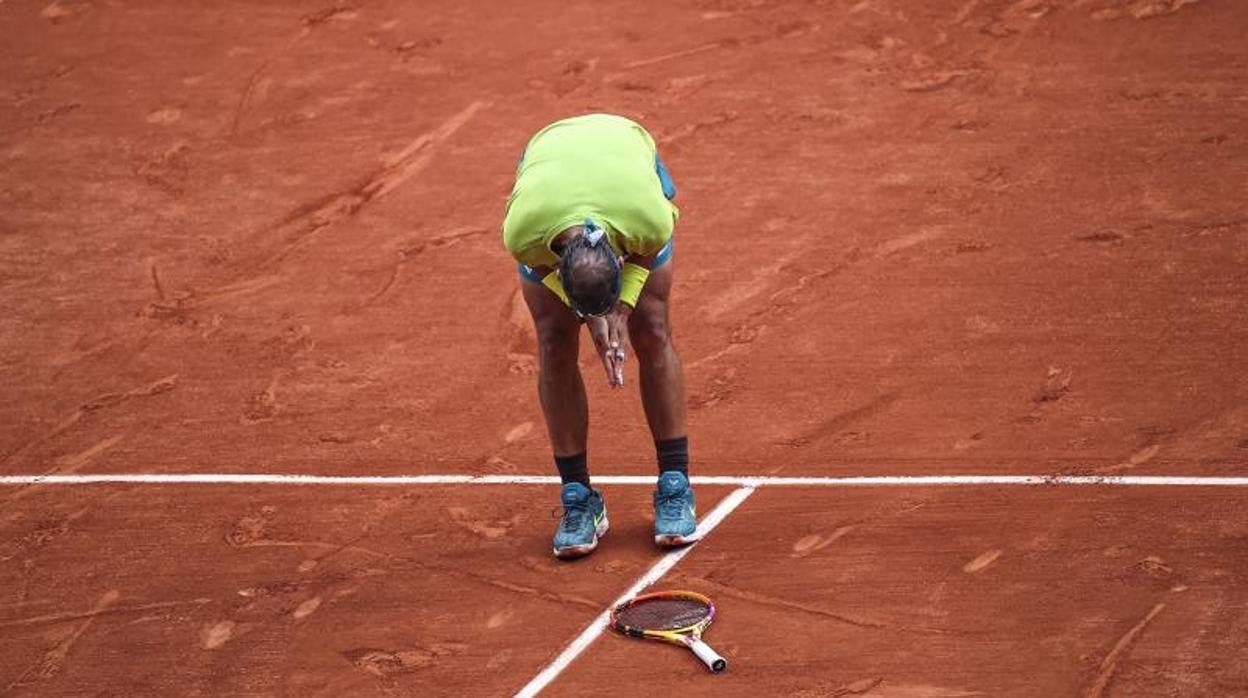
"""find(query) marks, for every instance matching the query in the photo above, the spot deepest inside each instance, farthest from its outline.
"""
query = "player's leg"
(559, 383)
(663, 397)
(662, 376)
(562, 394)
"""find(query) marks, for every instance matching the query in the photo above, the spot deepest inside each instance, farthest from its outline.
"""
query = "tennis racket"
(676, 617)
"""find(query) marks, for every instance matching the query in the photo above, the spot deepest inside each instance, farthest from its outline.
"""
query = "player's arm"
(610, 333)
(635, 271)
(599, 329)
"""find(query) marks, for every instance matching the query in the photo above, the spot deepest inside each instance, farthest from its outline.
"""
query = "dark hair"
(590, 272)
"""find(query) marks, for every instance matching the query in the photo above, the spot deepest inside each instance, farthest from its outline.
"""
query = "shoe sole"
(674, 541)
(569, 552)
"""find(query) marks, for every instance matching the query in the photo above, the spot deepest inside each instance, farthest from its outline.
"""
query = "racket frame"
(689, 636)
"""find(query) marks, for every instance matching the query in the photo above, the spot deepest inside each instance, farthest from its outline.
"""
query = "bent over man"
(590, 223)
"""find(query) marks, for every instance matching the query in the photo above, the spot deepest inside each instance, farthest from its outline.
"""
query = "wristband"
(552, 282)
(632, 279)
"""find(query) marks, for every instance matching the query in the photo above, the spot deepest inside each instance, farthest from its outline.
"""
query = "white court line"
(729, 480)
(660, 568)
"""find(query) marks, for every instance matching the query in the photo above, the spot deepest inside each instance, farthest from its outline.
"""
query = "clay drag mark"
(398, 168)
(309, 23)
(90, 407)
(410, 253)
(383, 663)
(51, 662)
(299, 227)
(1110, 663)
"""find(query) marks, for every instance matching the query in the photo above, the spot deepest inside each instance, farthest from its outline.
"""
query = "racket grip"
(709, 657)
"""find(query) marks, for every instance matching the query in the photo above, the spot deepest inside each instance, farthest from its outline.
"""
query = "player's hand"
(599, 331)
(617, 340)
(610, 335)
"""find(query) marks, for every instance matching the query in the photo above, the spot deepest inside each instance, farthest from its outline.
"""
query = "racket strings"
(664, 614)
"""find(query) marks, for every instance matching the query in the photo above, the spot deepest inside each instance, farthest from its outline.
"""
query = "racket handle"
(709, 657)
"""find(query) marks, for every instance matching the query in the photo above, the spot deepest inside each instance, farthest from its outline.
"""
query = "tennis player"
(590, 223)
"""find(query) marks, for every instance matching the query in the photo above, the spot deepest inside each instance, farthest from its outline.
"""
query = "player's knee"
(557, 345)
(651, 340)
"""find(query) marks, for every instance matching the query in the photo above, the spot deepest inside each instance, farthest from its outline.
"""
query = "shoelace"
(573, 518)
(670, 504)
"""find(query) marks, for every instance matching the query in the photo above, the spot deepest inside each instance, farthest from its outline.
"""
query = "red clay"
(973, 236)
(982, 591)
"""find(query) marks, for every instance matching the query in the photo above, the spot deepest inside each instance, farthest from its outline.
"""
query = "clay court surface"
(970, 238)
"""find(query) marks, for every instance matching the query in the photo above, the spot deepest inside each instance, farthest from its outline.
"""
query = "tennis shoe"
(584, 521)
(675, 517)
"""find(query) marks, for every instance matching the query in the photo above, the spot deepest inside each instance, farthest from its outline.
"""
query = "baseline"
(728, 480)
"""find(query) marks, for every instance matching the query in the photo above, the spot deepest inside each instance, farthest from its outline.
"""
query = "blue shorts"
(665, 253)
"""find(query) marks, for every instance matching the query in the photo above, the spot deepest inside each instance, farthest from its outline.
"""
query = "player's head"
(590, 271)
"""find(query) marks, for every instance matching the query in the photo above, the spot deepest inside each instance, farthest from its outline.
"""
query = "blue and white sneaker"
(584, 521)
(675, 518)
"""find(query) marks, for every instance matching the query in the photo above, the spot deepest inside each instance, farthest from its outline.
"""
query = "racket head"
(664, 615)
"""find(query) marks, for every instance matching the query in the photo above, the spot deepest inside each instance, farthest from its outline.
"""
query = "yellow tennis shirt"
(596, 166)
